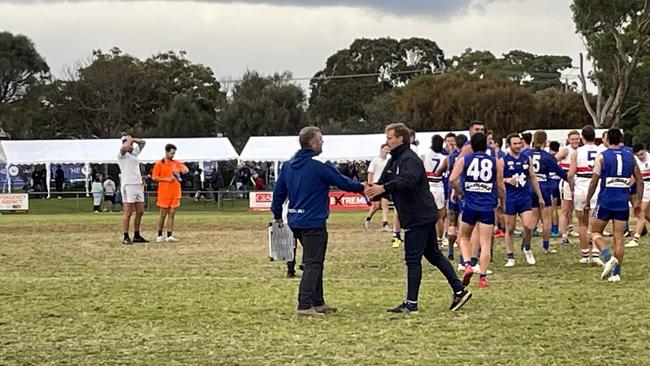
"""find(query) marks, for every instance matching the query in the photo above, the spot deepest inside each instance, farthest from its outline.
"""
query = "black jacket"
(405, 180)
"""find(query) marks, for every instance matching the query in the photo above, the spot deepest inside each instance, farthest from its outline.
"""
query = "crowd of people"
(469, 189)
(543, 183)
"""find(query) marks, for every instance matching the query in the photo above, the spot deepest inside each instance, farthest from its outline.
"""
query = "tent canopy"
(105, 151)
(3, 158)
(335, 147)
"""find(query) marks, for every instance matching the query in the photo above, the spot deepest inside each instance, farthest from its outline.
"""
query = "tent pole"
(202, 167)
(276, 167)
(87, 174)
(7, 165)
(48, 178)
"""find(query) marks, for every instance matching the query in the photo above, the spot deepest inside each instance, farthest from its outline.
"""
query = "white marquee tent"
(335, 147)
(29, 152)
(277, 149)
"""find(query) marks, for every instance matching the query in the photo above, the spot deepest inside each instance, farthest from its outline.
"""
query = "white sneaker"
(634, 243)
(510, 263)
(606, 233)
(597, 261)
(461, 268)
(445, 242)
(530, 258)
(386, 229)
(366, 224)
(171, 239)
(615, 278)
(477, 269)
(608, 267)
(585, 260)
(159, 239)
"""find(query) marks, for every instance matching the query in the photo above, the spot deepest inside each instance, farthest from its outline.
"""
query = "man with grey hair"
(305, 182)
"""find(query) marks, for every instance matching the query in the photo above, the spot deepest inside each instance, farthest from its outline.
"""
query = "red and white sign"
(344, 201)
(14, 202)
(339, 201)
(260, 201)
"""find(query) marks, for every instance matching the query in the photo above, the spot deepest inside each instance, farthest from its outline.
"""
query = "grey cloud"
(428, 8)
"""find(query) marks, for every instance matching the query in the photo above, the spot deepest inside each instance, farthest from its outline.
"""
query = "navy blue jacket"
(306, 183)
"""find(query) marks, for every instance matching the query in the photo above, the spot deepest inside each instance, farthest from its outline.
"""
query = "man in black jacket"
(404, 179)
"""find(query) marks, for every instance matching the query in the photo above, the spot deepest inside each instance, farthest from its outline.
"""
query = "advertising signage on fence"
(260, 201)
(344, 201)
(14, 202)
(339, 201)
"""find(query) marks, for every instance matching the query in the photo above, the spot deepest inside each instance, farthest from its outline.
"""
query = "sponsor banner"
(339, 201)
(18, 177)
(14, 202)
(344, 201)
(260, 201)
(616, 182)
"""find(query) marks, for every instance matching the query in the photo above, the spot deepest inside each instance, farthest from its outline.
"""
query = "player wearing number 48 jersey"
(482, 177)
(519, 176)
(613, 171)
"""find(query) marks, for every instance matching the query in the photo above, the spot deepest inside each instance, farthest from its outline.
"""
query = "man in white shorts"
(433, 161)
(375, 169)
(564, 157)
(582, 165)
(643, 161)
(132, 187)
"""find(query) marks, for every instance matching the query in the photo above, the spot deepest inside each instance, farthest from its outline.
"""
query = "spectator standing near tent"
(259, 183)
(97, 190)
(59, 179)
(167, 172)
(132, 187)
(375, 170)
(109, 194)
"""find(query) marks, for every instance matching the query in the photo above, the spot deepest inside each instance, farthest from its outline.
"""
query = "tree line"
(360, 89)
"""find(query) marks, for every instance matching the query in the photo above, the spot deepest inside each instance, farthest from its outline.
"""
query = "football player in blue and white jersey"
(613, 172)
(519, 176)
(482, 177)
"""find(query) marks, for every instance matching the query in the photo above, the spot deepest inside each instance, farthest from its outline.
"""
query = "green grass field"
(70, 293)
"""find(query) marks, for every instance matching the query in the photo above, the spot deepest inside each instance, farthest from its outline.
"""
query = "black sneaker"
(459, 300)
(566, 242)
(451, 258)
(127, 241)
(291, 274)
(626, 234)
(404, 308)
(139, 239)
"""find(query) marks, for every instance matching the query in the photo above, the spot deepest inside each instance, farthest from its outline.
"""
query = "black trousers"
(423, 241)
(314, 247)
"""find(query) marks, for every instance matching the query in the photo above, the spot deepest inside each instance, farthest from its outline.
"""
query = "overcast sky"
(294, 35)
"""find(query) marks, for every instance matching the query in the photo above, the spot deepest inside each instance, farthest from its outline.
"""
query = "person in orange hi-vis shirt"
(167, 172)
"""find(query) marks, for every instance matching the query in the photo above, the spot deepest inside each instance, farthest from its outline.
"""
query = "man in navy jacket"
(305, 182)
